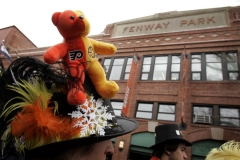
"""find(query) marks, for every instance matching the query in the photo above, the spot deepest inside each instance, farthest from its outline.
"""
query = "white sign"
(174, 24)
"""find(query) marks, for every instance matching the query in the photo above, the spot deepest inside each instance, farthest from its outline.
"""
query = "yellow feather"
(228, 151)
(36, 142)
(7, 133)
(30, 93)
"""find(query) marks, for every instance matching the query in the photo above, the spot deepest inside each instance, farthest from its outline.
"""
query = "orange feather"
(34, 120)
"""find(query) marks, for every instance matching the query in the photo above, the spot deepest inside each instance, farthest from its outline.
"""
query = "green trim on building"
(201, 148)
(142, 141)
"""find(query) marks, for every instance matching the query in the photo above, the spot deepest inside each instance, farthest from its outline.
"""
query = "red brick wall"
(16, 40)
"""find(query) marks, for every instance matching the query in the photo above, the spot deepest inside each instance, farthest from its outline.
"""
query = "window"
(202, 114)
(156, 111)
(144, 110)
(232, 66)
(161, 68)
(117, 68)
(106, 65)
(128, 68)
(196, 67)
(166, 112)
(216, 115)
(214, 66)
(117, 107)
(229, 117)
(236, 15)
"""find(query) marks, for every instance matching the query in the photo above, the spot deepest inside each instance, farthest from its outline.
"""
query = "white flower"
(93, 116)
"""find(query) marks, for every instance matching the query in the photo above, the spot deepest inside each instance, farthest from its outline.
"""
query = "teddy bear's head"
(71, 24)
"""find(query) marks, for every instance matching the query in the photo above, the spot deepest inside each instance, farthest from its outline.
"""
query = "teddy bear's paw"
(108, 90)
(76, 97)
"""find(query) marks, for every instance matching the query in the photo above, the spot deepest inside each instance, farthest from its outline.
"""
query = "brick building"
(15, 39)
(186, 72)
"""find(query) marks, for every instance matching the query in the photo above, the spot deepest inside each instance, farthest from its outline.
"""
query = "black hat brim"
(125, 126)
(177, 140)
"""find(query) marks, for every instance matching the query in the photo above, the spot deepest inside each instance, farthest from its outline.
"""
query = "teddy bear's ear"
(55, 18)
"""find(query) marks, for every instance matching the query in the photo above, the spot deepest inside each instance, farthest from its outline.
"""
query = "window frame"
(172, 113)
(137, 110)
(205, 106)
(124, 66)
(155, 110)
(216, 116)
(168, 68)
(116, 109)
(220, 116)
(224, 69)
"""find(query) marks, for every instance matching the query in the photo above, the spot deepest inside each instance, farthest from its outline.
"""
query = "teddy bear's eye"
(72, 17)
(81, 17)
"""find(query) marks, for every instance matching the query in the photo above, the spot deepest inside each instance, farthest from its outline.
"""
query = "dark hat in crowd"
(168, 133)
(36, 119)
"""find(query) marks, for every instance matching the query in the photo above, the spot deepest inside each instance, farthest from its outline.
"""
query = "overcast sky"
(33, 17)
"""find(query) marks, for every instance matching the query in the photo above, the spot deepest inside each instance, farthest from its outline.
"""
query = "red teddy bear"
(78, 52)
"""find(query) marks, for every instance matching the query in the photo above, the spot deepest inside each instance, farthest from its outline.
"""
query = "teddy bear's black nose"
(81, 17)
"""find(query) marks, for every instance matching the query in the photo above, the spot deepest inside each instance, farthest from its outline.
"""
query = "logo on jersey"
(75, 55)
(91, 52)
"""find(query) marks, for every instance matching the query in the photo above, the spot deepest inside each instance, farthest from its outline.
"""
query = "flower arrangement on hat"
(36, 118)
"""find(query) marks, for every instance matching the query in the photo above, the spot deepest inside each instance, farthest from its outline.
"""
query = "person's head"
(37, 121)
(169, 143)
(171, 151)
(227, 151)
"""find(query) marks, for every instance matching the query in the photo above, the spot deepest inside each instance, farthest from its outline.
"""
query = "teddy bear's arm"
(54, 53)
(103, 48)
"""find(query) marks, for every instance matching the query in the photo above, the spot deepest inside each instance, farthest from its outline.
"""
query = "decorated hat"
(168, 133)
(228, 150)
(36, 119)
